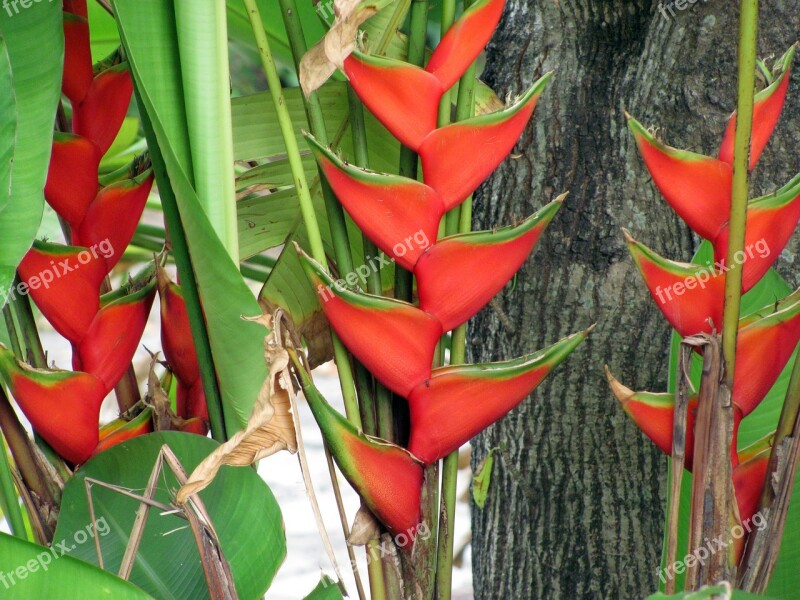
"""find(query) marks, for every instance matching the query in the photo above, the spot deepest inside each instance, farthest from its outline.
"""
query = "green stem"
(11, 328)
(418, 23)
(8, 495)
(316, 122)
(459, 220)
(748, 28)
(448, 16)
(191, 296)
(306, 205)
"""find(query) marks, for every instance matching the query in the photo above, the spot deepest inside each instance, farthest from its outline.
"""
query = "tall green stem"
(418, 23)
(748, 28)
(304, 196)
(459, 220)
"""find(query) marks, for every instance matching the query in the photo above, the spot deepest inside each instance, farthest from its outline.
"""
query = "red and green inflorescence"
(66, 281)
(456, 276)
(691, 296)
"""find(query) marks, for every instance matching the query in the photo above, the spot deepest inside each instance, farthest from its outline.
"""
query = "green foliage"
(44, 576)
(244, 513)
(31, 47)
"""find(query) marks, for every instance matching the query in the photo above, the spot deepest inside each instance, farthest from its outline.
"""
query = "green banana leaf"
(326, 590)
(762, 421)
(32, 572)
(243, 510)
(148, 34)
(31, 59)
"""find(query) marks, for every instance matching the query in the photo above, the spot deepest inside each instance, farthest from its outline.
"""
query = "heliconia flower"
(749, 476)
(64, 281)
(404, 97)
(464, 41)
(176, 333)
(77, 78)
(99, 116)
(389, 209)
(697, 187)
(121, 430)
(62, 406)
(386, 476)
(766, 112)
(113, 216)
(765, 343)
(394, 340)
(690, 296)
(109, 345)
(457, 158)
(72, 176)
(445, 267)
(457, 402)
(771, 221)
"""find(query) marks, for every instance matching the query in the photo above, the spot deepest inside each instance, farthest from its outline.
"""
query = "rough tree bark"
(575, 508)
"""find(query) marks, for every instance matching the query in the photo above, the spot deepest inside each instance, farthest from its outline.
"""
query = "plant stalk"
(748, 29)
(304, 196)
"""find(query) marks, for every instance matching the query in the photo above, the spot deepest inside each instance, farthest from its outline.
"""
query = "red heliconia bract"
(408, 335)
(444, 267)
(78, 74)
(766, 112)
(386, 476)
(113, 216)
(392, 211)
(690, 296)
(749, 476)
(62, 406)
(72, 177)
(101, 113)
(179, 350)
(121, 430)
(457, 402)
(108, 347)
(450, 163)
(65, 284)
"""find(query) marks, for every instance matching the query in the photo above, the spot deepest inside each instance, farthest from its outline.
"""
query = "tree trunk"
(576, 505)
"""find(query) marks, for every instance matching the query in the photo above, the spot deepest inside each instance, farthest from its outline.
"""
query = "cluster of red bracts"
(66, 282)
(396, 340)
(691, 296)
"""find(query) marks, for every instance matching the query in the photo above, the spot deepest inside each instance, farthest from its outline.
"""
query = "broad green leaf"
(125, 147)
(244, 513)
(32, 572)
(266, 220)
(148, 34)
(202, 35)
(759, 423)
(326, 590)
(31, 59)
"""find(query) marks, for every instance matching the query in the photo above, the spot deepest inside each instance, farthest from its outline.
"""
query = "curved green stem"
(748, 29)
(8, 495)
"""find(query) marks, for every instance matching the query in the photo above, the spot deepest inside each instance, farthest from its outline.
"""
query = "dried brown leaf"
(270, 427)
(320, 62)
(364, 529)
